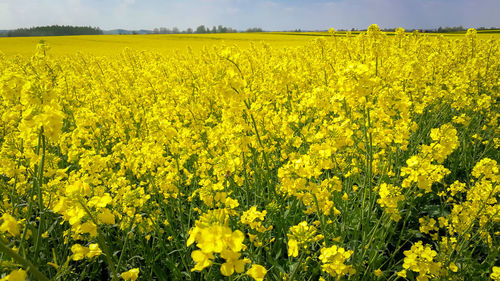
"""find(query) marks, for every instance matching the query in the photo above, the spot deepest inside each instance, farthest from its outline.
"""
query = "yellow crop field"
(367, 156)
(112, 45)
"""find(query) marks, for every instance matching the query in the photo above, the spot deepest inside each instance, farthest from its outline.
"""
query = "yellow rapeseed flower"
(257, 272)
(16, 275)
(131, 275)
(9, 224)
(495, 273)
(94, 251)
(79, 252)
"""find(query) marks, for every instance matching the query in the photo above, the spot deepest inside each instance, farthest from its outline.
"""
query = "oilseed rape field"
(172, 44)
(113, 45)
(369, 156)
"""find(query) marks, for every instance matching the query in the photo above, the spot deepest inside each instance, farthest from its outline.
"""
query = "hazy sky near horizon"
(243, 14)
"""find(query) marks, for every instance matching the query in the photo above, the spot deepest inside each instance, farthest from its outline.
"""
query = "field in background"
(111, 45)
(105, 45)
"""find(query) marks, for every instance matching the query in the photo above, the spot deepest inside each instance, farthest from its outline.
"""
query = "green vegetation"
(54, 30)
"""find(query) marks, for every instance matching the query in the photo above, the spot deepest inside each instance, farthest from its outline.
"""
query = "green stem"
(40, 198)
(24, 262)
(268, 170)
(320, 215)
(30, 211)
(260, 142)
(462, 239)
(30, 202)
(124, 248)
(368, 178)
(367, 246)
(297, 267)
(102, 242)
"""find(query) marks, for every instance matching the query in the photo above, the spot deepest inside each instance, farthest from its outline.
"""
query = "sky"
(270, 15)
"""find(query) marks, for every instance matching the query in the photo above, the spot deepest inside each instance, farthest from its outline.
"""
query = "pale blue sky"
(242, 14)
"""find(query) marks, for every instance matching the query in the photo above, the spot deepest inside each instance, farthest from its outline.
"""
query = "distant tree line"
(60, 30)
(449, 29)
(201, 29)
(254, 29)
(460, 28)
(440, 29)
(54, 30)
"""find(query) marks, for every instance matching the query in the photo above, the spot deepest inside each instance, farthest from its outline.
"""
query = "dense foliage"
(54, 30)
(199, 29)
(352, 158)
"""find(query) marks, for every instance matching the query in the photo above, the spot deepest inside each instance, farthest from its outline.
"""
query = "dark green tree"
(55, 30)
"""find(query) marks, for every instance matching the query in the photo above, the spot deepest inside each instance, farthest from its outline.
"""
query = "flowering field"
(112, 45)
(171, 44)
(353, 157)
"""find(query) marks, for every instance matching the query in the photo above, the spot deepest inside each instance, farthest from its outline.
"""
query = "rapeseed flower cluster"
(300, 236)
(421, 169)
(389, 197)
(333, 261)
(254, 218)
(420, 258)
(332, 160)
(213, 236)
